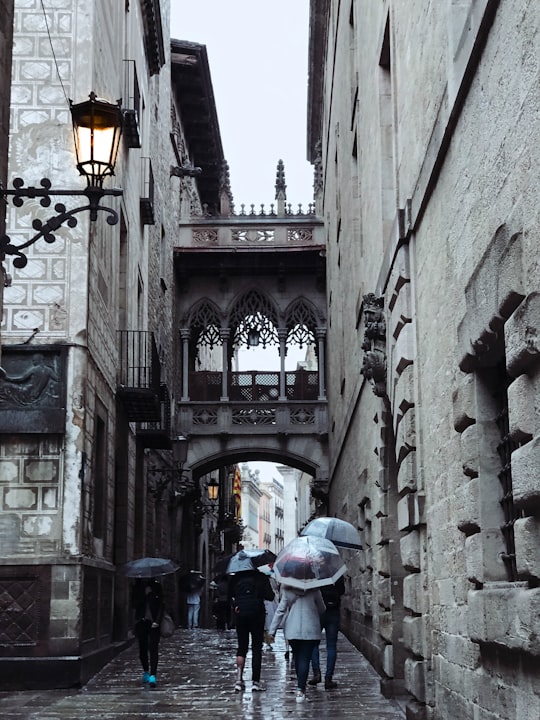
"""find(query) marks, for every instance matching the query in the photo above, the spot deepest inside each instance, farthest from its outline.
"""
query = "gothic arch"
(301, 322)
(204, 321)
(253, 310)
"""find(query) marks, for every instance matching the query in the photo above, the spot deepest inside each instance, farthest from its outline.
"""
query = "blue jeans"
(302, 652)
(330, 623)
(193, 615)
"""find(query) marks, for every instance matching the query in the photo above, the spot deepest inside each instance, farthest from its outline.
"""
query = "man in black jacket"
(247, 591)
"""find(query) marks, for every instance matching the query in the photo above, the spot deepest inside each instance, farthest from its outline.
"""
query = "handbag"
(166, 626)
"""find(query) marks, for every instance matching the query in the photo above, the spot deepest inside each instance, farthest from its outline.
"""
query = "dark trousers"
(330, 623)
(245, 627)
(302, 651)
(148, 638)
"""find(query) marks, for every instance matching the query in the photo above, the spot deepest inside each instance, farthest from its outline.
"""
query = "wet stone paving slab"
(196, 676)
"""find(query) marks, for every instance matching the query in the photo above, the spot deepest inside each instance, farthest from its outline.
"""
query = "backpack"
(247, 603)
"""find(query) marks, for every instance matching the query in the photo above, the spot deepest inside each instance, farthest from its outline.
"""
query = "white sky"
(257, 52)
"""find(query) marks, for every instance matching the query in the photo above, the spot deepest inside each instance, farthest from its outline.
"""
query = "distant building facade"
(423, 124)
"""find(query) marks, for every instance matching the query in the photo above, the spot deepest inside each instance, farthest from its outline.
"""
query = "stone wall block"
(470, 451)
(388, 660)
(522, 337)
(483, 559)
(406, 435)
(527, 541)
(467, 507)
(385, 625)
(383, 560)
(403, 351)
(400, 275)
(463, 402)
(521, 408)
(381, 530)
(408, 512)
(414, 593)
(410, 546)
(383, 591)
(526, 488)
(414, 635)
(401, 311)
(510, 276)
(404, 394)
(415, 678)
(407, 475)
(505, 615)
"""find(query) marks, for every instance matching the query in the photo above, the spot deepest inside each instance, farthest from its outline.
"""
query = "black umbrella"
(148, 567)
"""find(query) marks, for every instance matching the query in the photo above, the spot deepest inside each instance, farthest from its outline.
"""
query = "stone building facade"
(6, 46)
(423, 122)
(86, 468)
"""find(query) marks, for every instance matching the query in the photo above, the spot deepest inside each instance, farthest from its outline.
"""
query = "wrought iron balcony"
(253, 386)
(139, 387)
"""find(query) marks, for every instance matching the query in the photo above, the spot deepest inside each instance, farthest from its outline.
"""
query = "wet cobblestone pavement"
(196, 677)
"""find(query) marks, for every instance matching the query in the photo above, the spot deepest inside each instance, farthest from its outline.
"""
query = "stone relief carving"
(32, 386)
(374, 345)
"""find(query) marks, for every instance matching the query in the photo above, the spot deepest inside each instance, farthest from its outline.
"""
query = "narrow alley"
(196, 679)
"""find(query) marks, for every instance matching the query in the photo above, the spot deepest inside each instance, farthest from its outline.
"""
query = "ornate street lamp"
(97, 128)
(212, 489)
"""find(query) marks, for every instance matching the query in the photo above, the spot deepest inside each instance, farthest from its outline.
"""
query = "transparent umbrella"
(309, 562)
(250, 559)
(340, 532)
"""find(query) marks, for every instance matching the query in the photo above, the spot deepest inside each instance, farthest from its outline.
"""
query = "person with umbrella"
(302, 567)
(147, 601)
(248, 589)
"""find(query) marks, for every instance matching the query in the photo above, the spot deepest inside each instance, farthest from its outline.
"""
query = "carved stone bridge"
(246, 280)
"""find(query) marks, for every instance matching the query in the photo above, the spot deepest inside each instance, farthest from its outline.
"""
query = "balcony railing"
(139, 376)
(253, 386)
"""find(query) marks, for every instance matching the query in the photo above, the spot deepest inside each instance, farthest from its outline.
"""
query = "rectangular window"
(100, 477)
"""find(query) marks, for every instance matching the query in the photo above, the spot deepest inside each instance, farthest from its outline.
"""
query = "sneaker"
(146, 676)
(329, 684)
(258, 687)
(239, 685)
(316, 679)
(300, 696)
(152, 681)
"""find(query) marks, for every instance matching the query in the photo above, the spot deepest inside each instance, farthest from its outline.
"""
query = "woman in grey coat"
(299, 612)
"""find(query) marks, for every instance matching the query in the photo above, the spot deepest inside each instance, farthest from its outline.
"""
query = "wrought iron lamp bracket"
(46, 230)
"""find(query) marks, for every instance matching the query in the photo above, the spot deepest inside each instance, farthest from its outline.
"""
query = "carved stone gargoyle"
(374, 345)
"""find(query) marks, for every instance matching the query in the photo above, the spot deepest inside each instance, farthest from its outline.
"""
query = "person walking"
(247, 592)
(193, 601)
(331, 595)
(300, 611)
(147, 601)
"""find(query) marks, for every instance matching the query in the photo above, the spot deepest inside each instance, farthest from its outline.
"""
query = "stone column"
(225, 334)
(282, 335)
(185, 335)
(321, 337)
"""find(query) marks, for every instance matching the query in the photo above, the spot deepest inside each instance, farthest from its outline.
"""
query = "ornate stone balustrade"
(250, 230)
(298, 418)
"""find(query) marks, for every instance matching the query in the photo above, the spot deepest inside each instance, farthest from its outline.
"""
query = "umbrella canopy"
(250, 559)
(340, 532)
(148, 567)
(309, 562)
